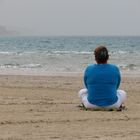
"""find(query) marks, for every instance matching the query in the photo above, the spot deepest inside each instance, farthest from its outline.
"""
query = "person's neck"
(102, 63)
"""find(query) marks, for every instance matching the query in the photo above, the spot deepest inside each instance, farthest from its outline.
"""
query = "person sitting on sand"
(102, 81)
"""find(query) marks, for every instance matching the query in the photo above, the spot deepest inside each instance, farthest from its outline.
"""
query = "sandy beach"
(45, 108)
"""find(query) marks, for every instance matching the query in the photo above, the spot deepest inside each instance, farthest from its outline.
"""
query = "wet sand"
(45, 108)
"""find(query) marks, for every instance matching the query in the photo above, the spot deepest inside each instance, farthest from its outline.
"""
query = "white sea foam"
(31, 66)
(71, 52)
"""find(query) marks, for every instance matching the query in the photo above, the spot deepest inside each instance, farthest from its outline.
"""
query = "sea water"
(65, 54)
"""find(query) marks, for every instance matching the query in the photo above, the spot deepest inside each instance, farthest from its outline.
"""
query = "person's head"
(101, 55)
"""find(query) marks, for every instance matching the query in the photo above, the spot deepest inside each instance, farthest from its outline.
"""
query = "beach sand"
(45, 108)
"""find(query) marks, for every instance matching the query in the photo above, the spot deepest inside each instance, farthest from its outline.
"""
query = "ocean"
(68, 54)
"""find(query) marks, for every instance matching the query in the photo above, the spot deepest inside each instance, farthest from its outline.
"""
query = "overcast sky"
(72, 17)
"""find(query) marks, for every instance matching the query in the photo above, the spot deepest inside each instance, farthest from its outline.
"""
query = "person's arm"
(119, 79)
(85, 78)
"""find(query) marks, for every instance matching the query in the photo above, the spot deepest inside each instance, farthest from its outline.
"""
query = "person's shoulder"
(113, 66)
(89, 67)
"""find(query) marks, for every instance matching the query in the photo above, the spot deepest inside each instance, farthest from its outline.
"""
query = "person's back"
(102, 81)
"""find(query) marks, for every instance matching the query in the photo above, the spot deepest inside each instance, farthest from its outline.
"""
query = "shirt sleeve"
(119, 79)
(85, 78)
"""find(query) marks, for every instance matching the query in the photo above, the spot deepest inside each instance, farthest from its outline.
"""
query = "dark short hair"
(101, 54)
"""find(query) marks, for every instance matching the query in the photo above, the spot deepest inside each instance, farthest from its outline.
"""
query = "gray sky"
(72, 17)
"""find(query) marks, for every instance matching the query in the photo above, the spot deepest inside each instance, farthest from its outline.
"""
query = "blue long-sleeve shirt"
(102, 82)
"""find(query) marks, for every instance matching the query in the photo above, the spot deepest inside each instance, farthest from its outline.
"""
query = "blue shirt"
(102, 82)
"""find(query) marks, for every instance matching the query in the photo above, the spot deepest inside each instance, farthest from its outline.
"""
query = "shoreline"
(38, 72)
